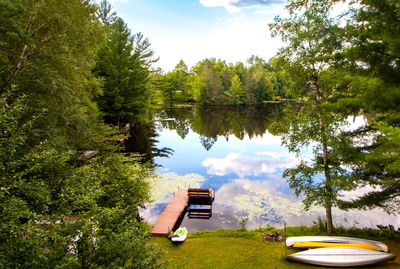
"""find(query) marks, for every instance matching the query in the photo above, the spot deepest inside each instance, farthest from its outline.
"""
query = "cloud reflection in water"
(262, 205)
(242, 166)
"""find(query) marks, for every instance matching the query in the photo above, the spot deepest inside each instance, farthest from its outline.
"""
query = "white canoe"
(335, 239)
(341, 256)
(179, 235)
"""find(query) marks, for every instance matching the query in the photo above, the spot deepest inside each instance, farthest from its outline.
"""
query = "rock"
(274, 237)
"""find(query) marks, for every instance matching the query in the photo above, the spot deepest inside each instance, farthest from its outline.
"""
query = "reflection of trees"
(142, 140)
(207, 142)
(211, 122)
(182, 117)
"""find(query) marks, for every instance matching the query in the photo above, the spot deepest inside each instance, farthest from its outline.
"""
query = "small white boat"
(179, 235)
(341, 256)
(332, 241)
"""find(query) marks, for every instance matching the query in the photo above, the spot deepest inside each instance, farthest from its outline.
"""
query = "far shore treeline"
(215, 82)
(72, 75)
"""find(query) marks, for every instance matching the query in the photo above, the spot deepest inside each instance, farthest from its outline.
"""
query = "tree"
(280, 77)
(236, 91)
(177, 80)
(312, 44)
(52, 197)
(105, 13)
(123, 63)
(372, 64)
(207, 86)
(258, 84)
(42, 53)
(170, 85)
(182, 73)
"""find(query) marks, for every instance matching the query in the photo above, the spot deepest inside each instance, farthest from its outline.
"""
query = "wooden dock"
(171, 214)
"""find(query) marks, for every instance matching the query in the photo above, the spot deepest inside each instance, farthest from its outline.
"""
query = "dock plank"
(170, 215)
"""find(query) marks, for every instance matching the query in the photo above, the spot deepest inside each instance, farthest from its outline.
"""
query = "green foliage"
(177, 80)
(243, 223)
(320, 225)
(207, 87)
(236, 91)
(312, 44)
(214, 81)
(105, 13)
(259, 85)
(55, 213)
(371, 62)
(123, 63)
(59, 209)
(42, 53)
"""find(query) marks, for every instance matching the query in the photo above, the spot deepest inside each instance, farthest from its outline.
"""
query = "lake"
(231, 150)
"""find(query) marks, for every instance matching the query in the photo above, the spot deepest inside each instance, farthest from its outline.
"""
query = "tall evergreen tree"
(105, 13)
(123, 63)
(372, 62)
(236, 92)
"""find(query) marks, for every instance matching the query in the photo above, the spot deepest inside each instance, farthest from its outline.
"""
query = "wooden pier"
(178, 206)
(166, 222)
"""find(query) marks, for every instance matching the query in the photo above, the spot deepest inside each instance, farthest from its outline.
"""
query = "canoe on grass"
(334, 241)
(179, 235)
(341, 256)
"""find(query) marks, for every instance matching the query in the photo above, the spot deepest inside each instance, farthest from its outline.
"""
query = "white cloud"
(111, 1)
(232, 41)
(354, 194)
(243, 166)
(236, 5)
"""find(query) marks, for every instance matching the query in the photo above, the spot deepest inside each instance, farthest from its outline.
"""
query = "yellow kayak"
(327, 245)
(334, 241)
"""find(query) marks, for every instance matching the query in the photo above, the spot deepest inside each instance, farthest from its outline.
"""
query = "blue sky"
(193, 30)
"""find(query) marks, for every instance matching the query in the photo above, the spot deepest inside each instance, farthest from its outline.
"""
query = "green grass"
(242, 249)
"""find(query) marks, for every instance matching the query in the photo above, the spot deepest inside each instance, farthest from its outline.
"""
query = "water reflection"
(142, 139)
(235, 163)
(231, 149)
(212, 123)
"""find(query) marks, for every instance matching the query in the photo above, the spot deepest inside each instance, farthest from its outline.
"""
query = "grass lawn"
(216, 250)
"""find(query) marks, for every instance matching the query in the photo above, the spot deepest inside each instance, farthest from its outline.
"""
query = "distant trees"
(236, 91)
(210, 81)
(177, 80)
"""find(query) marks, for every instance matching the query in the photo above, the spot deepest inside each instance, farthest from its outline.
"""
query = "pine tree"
(123, 63)
(372, 62)
(236, 92)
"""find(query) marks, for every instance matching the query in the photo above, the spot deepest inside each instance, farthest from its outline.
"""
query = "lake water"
(231, 150)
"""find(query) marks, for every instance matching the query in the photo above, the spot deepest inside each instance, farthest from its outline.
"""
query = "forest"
(72, 74)
(215, 82)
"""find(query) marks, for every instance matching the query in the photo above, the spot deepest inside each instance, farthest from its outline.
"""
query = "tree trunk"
(328, 189)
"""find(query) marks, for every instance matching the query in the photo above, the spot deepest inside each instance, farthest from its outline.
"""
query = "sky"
(192, 30)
